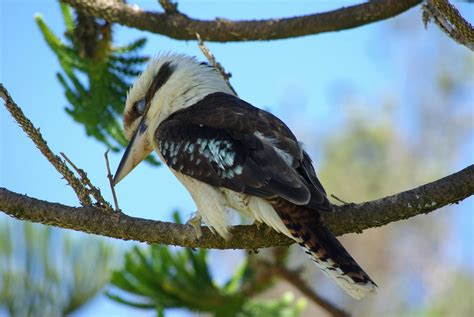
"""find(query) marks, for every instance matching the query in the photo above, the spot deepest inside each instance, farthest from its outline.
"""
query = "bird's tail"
(324, 249)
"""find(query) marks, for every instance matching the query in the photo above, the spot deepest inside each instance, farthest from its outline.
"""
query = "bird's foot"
(195, 222)
(258, 224)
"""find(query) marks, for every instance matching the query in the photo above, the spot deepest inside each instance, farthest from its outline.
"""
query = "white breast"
(213, 205)
(256, 208)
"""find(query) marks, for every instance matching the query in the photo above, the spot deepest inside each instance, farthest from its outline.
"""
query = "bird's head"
(169, 83)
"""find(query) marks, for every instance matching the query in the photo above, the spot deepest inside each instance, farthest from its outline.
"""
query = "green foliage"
(44, 272)
(283, 307)
(156, 278)
(95, 75)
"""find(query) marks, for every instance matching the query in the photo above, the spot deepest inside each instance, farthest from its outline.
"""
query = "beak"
(136, 152)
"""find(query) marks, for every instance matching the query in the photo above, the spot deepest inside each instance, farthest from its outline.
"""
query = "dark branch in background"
(294, 278)
(179, 26)
(348, 218)
(267, 269)
(448, 18)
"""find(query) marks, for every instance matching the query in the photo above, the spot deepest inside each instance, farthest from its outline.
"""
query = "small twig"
(294, 279)
(169, 6)
(339, 199)
(81, 192)
(111, 180)
(212, 60)
(94, 191)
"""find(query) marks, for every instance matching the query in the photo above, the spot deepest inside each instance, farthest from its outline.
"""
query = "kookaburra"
(231, 155)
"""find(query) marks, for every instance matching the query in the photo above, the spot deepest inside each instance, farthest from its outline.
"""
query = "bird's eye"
(140, 106)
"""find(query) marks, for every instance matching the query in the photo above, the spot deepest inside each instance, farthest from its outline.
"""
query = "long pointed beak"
(137, 150)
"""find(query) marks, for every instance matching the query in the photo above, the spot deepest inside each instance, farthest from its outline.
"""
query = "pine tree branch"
(179, 26)
(348, 218)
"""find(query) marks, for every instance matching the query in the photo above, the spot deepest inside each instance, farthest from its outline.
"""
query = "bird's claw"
(195, 222)
(258, 224)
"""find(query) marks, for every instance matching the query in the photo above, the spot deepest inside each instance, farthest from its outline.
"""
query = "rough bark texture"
(179, 26)
(448, 18)
(344, 219)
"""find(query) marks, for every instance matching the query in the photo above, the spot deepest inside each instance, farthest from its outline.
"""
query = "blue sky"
(309, 71)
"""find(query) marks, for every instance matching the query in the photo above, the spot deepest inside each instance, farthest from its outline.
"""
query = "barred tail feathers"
(336, 263)
(326, 251)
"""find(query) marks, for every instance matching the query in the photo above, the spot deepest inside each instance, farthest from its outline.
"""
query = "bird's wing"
(226, 142)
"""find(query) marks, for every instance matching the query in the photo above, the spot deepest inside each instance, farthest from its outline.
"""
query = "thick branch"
(345, 219)
(179, 26)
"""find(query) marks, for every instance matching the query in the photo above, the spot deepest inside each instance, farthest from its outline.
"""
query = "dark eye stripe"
(160, 79)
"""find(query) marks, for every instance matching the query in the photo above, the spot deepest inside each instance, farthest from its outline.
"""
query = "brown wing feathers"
(234, 160)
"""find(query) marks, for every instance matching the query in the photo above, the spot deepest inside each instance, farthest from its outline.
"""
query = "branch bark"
(448, 18)
(35, 135)
(179, 26)
(348, 218)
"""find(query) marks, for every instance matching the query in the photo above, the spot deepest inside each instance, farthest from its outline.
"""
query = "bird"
(232, 156)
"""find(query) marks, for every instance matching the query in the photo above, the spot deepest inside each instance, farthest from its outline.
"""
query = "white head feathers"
(171, 82)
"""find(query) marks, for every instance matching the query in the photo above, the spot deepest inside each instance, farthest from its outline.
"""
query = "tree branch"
(179, 26)
(295, 279)
(213, 62)
(348, 218)
(35, 136)
(94, 191)
(448, 18)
